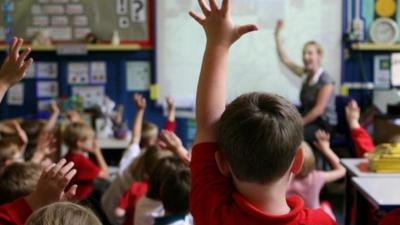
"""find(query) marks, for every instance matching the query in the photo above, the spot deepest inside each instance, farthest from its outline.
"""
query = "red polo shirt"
(130, 198)
(15, 213)
(214, 201)
(362, 141)
(86, 172)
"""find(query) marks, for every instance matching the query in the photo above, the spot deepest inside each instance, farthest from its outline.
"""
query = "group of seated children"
(246, 165)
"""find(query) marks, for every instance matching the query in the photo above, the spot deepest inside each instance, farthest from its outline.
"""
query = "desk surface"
(359, 168)
(383, 193)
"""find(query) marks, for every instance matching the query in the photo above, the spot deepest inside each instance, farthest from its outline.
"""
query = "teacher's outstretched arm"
(297, 69)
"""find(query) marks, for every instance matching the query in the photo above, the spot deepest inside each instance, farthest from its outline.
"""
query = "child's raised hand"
(322, 140)
(170, 104)
(353, 114)
(139, 101)
(50, 187)
(170, 141)
(15, 66)
(218, 25)
(45, 147)
(54, 108)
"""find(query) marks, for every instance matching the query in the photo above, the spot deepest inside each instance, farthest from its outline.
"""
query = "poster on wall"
(15, 95)
(138, 76)
(78, 73)
(47, 89)
(98, 72)
(91, 95)
(47, 70)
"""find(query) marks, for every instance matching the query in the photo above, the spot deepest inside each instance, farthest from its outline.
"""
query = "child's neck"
(268, 198)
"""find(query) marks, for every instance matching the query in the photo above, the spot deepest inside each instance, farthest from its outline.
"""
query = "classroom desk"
(112, 143)
(382, 193)
(358, 168)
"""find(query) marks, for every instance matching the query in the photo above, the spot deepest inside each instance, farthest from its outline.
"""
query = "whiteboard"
(253, 63)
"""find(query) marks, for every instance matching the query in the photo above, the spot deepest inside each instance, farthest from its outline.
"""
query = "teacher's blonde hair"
(63, 213)
(320, 51)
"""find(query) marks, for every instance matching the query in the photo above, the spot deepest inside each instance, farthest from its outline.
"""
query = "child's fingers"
(69, 176)
(64, 170)
(58, 167)
(71, 192)
(26, 65)
(204, 8)
(23, 56)
(17, 48)
(213, 5)
(246, 29)
(46, 172)
(225, 6)
(196, 17)
(13, 44)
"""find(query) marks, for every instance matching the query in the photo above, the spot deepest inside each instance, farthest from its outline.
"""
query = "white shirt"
(110, 198)
(316, 76)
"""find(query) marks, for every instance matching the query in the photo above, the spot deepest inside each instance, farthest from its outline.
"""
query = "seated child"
(362, 141)
(63, 213)
(142, 168)
(80, 139)
(309, 182)
(149, 207)
(18, 180)
(144, 135)
(50, 188)
(243, 178)
(175, 199)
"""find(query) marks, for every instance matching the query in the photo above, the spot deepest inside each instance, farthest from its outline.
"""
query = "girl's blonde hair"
(63, 213)
(309, 160)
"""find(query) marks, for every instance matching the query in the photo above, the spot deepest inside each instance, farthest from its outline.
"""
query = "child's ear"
(297, 161)
(222, 164)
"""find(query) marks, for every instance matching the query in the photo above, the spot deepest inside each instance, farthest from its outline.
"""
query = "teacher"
(317, 92)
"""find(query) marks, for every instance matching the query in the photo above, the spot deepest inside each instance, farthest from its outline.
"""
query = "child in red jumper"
(243, 178)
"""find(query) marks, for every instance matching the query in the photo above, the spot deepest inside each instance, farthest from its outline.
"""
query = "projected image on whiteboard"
(253, 64)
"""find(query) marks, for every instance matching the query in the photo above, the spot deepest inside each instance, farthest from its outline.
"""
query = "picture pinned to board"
(78, 73)
(47, 70)
(98, 72)
(138, 76)
(47, 89)
(31, 72)
(15, 95)
(91, 95)
(44, 105)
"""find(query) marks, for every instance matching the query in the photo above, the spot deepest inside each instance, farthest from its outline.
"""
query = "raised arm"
(170, 124)
(172, 142)
(221, 33)
(104, 174)
(362, 141)
(55, 112)
(322, 144)
(322, 100)
(140, 104)
(14, 66)
(297, 69)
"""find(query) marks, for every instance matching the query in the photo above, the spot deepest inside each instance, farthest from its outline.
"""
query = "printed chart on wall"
(71, 20)
(253, 62)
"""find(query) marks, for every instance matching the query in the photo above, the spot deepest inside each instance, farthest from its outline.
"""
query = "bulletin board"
(71, 20)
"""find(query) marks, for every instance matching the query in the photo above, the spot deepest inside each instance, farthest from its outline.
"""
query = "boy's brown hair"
(258, 134)
(18, 180)
(309, 160)
(8, 150)
(165, 167)
(149, 131)
(75, 132)
(175, 192)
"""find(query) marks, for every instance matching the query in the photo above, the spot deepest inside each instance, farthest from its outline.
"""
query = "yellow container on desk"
(385, 159)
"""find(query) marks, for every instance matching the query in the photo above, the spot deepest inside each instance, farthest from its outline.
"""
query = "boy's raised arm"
(221, 33)
(140, 104)
(14, 66)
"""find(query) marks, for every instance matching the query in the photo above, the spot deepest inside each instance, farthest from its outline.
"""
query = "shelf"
(89, 47)
(375, 47)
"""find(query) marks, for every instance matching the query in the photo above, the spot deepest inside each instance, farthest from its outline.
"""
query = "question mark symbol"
(137, 6)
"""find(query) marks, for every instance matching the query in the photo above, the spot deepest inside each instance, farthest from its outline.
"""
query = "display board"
(71, 20)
